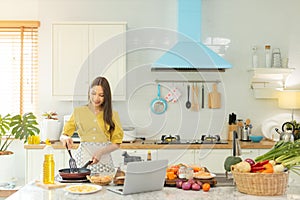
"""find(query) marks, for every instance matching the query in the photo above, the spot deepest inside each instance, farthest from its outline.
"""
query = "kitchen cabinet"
(212, 159)
(34, 162)
(84, 51)
(175, 156)
(266, 81)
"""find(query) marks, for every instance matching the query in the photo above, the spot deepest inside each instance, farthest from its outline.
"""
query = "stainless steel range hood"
(189, 54)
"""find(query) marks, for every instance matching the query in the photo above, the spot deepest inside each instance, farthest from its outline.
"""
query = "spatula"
(72, 162)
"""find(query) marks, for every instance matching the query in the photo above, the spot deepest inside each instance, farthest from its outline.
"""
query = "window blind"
(18, 66)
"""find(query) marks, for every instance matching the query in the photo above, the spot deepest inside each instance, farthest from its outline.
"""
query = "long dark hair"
(107, 104)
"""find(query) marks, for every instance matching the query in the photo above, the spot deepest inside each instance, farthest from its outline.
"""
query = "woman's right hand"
(66, 140)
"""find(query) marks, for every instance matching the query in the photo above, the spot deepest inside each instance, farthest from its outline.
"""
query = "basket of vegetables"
(267, 174)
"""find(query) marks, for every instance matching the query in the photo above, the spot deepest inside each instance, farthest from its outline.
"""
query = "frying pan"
(81, 174)
(158, 105)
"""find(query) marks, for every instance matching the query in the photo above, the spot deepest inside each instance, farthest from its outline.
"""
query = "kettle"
(287, 135)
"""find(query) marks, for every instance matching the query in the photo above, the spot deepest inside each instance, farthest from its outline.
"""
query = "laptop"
(143, 176)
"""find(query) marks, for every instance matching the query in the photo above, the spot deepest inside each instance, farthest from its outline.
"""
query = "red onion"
(186, 186)
(250, 161)
(195, 186)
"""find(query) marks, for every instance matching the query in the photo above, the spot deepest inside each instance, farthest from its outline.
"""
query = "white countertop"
(32, 192)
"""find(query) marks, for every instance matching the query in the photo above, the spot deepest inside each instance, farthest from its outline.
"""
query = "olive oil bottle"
(49, 164)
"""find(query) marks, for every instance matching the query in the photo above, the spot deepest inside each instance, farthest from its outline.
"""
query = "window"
(18, 66)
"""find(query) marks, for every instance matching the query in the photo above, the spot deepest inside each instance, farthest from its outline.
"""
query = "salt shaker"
(268, 55)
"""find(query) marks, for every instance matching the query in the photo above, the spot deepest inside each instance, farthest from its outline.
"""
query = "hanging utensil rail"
(188, 81)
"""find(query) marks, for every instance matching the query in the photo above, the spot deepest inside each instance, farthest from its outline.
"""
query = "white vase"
(7, 168)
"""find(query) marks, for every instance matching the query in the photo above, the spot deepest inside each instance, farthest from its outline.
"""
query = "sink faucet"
(236, 148)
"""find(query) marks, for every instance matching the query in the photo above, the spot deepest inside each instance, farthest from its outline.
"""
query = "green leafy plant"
(50, 115)
(17, 127)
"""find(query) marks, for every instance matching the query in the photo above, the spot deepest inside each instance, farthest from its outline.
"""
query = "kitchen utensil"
(80, 174)
(245, 132)
(72, 162)
(202, 96)
(269, 127)
(256, 138)
(276, 58)
(188, 103)
(236, 148)
(87, 164)
(158, 105)
(192, 97)
(195, 98)
(214, 98)
(287, 134)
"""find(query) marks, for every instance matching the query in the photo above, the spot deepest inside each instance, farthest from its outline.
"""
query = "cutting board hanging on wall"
(214, 97)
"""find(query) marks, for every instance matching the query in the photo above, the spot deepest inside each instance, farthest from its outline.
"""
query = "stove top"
(192, 142)
(205, 139)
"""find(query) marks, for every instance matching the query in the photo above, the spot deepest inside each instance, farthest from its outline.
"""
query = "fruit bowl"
(256, 138)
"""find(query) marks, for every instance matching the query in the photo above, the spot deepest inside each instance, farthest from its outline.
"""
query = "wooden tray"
(172, 183)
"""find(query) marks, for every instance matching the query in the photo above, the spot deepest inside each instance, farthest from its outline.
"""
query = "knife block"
(231, 128)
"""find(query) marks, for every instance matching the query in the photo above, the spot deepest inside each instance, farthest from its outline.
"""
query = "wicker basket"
(261, 184)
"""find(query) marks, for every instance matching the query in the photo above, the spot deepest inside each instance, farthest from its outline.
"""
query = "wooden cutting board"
(50, 186)
(214, 98)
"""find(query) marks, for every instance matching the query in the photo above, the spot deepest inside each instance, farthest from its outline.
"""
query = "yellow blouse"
(91, 127)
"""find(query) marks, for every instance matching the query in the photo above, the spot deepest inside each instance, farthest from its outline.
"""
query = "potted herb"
(16, 127)
(297, 128)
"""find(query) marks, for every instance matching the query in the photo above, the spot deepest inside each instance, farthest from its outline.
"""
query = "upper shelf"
(269, 79)
(271, 74)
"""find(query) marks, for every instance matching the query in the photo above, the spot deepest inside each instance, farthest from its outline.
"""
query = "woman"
(98, 126)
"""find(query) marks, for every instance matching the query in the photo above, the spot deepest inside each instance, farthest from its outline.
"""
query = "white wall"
(241, 23)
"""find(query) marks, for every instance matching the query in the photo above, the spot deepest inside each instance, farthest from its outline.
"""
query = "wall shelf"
(188, 81)
(266, 81)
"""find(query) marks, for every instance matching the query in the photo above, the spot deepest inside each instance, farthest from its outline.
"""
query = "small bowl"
(256, 138)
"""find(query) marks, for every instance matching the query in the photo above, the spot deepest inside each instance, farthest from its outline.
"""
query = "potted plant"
(297, 128)
(50, 126)
(16, 127)
(12, 128)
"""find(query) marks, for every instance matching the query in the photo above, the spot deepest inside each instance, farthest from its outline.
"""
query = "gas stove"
(205, 139)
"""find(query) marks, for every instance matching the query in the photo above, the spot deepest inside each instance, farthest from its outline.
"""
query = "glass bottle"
(254, 57)
(182, 172)
(49, 164)
(268, 55)
(189, 174)
(149, 155)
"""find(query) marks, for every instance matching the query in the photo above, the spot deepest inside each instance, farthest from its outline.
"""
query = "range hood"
(189, 53)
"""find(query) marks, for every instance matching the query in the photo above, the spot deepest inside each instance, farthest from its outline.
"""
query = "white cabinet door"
(70, 51)
(107, 56)
(34, 163)
(212, 159)
(176, 156)
(83, 51)
(249, 153)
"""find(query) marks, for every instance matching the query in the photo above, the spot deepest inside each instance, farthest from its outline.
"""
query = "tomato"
(206, 187)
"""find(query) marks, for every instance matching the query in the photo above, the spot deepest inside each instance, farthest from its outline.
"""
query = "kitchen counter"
(151, 144)
(32, 192)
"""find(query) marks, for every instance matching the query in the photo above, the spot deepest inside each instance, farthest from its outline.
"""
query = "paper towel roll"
(50, 129)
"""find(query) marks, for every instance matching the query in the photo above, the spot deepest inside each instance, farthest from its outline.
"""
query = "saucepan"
(81, 173)
(159, 105)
